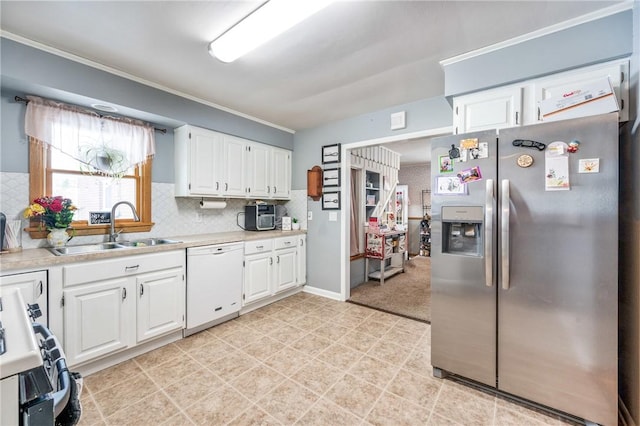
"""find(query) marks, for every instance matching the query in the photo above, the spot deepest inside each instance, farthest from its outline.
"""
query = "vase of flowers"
(56, 214)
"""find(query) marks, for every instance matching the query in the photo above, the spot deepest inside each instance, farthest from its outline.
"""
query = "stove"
(35, 385)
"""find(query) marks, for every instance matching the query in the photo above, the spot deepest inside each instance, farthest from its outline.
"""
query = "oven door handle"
(60, 397)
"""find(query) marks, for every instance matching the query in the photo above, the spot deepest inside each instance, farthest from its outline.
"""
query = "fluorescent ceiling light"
(266, 22)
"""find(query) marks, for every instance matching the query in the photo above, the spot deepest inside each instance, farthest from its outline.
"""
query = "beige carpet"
(407, 294)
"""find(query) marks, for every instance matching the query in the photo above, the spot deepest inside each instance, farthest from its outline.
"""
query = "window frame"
(40, 185)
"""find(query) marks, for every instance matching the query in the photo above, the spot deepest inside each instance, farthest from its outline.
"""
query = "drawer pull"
(259, 247)
(141, 289)
(131, 268)
(286, 243)
(124, 293)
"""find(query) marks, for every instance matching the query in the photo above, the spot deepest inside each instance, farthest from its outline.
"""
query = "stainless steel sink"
(88, 248)
(146, 242)
(99, 247)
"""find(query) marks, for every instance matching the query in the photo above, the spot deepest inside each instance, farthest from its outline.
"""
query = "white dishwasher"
(214, 285)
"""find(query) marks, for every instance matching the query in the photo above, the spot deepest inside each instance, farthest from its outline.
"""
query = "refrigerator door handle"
(504, 233)
(488, 235)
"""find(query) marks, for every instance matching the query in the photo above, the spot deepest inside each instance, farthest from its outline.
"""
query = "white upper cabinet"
(258, 171)
(517, 104)
(234, 166)
(565, 82)
(281, 173)
(198, 154)
(491, 109)
(212, 164)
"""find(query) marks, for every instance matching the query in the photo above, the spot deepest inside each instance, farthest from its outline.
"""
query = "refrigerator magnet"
(525, 160)
(557, 173)
(589, 165)
(470, 175)
(446, 164)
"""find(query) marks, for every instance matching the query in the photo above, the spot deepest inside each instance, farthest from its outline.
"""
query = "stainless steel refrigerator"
(524, 270)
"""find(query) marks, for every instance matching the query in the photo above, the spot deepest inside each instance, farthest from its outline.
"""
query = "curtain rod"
(26, 101)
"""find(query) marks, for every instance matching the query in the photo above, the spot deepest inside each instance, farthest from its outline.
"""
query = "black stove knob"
(34, 311)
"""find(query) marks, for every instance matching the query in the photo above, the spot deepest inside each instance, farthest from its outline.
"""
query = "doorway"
(417, 267)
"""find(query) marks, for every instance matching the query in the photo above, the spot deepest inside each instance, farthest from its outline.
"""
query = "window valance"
(103, 144)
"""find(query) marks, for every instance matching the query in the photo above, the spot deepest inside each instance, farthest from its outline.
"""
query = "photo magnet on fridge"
(470, 175)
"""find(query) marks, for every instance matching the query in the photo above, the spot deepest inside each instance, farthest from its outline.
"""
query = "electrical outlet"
(333, 216)
(198, 217)
(309, 215)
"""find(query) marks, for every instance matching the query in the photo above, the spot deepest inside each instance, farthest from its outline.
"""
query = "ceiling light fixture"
(272, 18)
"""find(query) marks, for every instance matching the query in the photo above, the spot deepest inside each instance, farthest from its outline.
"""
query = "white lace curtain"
(105, 145)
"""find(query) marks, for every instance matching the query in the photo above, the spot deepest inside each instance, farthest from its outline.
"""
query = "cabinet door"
(490, 109)
(160, 307)
(98, 319)
(281, 173)
(32, 286)
(234, 166)
(301, 273)
(258, 171)
(205, 167)
(546, 88)
(285, 269)
(257, 277)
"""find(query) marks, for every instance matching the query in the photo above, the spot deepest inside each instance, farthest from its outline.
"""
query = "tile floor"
(304, 360)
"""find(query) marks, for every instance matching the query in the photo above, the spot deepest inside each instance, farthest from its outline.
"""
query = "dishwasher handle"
(215, 250)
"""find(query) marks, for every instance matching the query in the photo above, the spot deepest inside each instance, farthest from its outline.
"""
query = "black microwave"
(260, 217)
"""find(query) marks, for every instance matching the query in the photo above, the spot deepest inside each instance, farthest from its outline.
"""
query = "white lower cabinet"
(301, 273)
(114, 304)
(32, 286)
(270, 267)
(98, 319)
(258, 262)
(285, 269)
(160, 307)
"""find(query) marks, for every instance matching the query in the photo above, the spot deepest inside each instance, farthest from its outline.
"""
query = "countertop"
(43, 258)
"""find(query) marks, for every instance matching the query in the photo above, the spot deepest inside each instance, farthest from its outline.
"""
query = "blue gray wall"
(323, 242)
(597, 41)
(26, 70)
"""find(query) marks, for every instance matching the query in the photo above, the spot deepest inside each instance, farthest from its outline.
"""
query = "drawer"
(98, 270)
(286, 242)
(258, 246)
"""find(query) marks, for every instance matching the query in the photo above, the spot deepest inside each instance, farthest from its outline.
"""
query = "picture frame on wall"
(331, 154)
(331, 177)
(331, 200)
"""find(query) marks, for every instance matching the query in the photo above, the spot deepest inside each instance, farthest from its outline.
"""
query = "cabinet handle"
(141, 289)
(275, 189)
(278, 259)
(131, 268)
(226, 186)
(301, 242)
(271, 261)
(268, 189)
(259, 247)
(517, 117)
(124, 293)
(41, 288)
(217, 185)
(287, 243)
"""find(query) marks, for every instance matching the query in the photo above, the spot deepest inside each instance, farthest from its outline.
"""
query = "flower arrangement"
(54, 212)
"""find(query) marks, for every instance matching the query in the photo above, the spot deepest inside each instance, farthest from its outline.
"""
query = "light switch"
(333, 216)
(309, 215)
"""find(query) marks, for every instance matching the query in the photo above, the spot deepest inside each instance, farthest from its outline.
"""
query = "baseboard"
(324, 293)
(623, 413)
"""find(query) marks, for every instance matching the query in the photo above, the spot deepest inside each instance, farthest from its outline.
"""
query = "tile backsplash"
(172, 216)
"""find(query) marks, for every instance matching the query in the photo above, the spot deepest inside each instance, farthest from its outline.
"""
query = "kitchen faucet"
(113, 235)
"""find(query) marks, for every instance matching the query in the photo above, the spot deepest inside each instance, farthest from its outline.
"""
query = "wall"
(418, 178)
(323, 270)
(601, 40)
(26, 70)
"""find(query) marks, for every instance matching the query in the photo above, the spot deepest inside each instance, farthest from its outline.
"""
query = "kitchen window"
(93, 160)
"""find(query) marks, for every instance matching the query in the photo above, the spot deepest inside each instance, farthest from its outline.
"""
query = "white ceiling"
(351, 58)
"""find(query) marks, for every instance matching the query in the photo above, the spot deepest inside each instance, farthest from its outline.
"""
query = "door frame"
(345, 195)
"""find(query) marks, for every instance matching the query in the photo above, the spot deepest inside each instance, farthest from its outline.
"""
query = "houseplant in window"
(55, 214)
